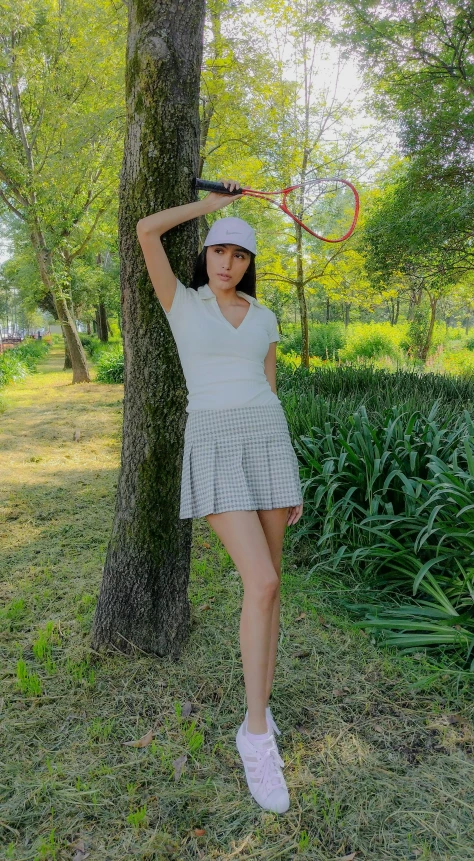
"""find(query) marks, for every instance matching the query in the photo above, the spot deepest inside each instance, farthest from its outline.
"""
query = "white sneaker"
(270, 722)
(263, 765)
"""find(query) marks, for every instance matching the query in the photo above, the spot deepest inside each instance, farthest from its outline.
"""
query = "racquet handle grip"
(206, 185)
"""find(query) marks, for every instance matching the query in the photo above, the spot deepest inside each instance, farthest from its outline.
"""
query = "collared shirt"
(223, 365)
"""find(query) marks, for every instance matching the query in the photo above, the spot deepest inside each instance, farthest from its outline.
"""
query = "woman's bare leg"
(242, 535)
(274, 524)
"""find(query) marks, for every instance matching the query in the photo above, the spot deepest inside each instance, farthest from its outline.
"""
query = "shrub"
(16, 362)
(110, 367)
(325, 340)
(31, 351)
(459, 362)
(11, 368)
(369, 341)
(94, 347)
(391, 498)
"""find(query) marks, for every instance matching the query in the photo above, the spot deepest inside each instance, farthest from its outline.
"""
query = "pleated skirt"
(240, 458)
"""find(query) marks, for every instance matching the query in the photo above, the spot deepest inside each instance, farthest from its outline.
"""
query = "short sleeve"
(179, 300)
(274, 333)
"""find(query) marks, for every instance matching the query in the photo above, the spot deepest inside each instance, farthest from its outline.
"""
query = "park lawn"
(377, 768)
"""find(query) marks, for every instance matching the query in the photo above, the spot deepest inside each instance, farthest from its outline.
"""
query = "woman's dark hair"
(247, 284)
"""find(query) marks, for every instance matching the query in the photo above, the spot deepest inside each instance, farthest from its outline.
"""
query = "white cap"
(234, 231)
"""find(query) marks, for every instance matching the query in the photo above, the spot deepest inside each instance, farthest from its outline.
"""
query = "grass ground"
(378, 769)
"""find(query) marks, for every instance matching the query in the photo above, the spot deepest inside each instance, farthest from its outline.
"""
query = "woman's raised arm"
(151, 228)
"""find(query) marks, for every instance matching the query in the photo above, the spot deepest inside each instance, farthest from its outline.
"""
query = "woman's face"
(226, 265)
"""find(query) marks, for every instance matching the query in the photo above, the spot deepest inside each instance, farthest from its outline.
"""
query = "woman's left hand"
(294, 514)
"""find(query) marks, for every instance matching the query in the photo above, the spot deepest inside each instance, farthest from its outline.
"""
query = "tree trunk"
(67, 356)
(101, 321)
(301, 298)
(80, 373)
(347, 314)
(429, 337)
(397, 311)
(143, 600)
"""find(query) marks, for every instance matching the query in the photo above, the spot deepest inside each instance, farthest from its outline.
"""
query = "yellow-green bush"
(459, 362)
(372, 341)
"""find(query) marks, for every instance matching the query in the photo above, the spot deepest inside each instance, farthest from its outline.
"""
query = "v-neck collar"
(205, 292)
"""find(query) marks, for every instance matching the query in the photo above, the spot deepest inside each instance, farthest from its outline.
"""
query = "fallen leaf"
(338, 692)
(378, 728)
(80, 854)
(205, 607)
(187, 709)
(199, 832)
(144, 741)
(179, 765)
(303, 654)
(348, 857)
(301, 616)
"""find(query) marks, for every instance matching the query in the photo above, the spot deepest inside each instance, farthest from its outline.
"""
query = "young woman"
(240, 470)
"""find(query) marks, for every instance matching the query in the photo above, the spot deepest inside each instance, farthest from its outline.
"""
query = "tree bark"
(301, 298)
(67, 356)
(101, 322)
(80, 373)
(429, 337)
(347, 314)
(143, 599)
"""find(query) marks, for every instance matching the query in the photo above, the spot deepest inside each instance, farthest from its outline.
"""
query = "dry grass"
(374, 767)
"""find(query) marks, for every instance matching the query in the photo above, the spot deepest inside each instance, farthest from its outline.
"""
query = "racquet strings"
(325, 206)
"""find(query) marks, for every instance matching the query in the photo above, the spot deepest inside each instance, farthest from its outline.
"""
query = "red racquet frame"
(207, 185)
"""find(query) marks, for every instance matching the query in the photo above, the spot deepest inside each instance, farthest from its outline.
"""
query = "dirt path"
(46, 475)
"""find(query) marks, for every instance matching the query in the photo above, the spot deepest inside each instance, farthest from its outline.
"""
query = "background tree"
(423, 238)
(418, 59)
(143, 598)
(59, 127)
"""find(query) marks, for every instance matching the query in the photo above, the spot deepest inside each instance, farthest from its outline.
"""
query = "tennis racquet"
(324, 207)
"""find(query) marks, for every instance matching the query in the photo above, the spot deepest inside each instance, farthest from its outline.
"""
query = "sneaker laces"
(267, 770)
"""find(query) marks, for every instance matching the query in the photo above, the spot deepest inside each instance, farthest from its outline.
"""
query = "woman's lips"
(224, 277)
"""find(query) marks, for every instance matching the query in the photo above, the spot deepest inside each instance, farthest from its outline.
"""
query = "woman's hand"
(294, 514)
(218, 201)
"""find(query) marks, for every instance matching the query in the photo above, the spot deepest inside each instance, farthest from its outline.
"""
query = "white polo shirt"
(222, 365)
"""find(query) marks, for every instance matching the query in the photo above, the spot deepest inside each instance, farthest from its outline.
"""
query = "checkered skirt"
(235, 459)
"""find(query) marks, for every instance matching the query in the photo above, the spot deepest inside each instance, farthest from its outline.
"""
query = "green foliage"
(325, 340)
(360, 457)
(372, 341)
(332, 394)
(16, 362)
(418, 331)
(418, 57)
(31, 351)
(29, 683)
(92, 345)
(110, 367)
